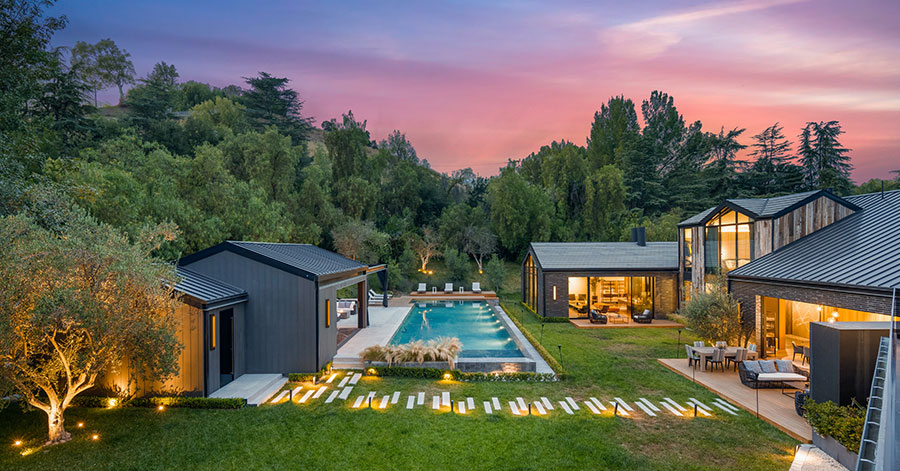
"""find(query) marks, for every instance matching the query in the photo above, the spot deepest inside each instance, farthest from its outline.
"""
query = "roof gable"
(765, 208)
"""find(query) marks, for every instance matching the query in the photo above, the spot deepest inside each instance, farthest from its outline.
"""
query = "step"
(264, 393)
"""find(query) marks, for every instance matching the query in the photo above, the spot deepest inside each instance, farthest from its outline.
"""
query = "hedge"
(548, 320)
(168, 401)
(553, 362)
(843, 423)
(437, 373)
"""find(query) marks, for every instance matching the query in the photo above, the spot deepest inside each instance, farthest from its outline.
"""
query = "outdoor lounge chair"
(599, 317)
(448, 288)
(796, 351)
(643, 318)
(373, 294)
(476, 287)
(422, 288)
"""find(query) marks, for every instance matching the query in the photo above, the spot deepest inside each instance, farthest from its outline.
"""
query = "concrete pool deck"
(383, 322)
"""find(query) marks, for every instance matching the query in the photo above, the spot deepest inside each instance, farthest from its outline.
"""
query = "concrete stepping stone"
(436, 403)
(331, 378)
(677, 405)
(565, 407)
(306, 396)
(592, 407)
(462, 407)
(725, 404)
(295, 394)
(320, 392)
(649, 404)
(572, 403)
(445, 399)
(514, 408)
(344, 382)
(700, 410)
(355, 378)
(620, 410)
(370, 397)
(646, 409)
(540, 408)
(547, 403)
(623, 404)
(673, 410)
(487, 408)
(280, 397)
(470, 403)
(395, 397)
(345, 393)
(332, 396)
(496, 403)
(384, 402)
(598, 403)
(725, 408)
(421, 400)
(411, 402)
(358, 402)
(521, 403)
(700, 404)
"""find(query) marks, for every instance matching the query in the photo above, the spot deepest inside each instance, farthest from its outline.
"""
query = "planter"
(832, 448)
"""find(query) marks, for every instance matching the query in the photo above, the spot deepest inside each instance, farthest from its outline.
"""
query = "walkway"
(255, 388)
(586, 324)
(774, 407)
(383, 322)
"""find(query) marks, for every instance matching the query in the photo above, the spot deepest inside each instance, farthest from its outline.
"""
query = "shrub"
(168, 401)
(843, 423)
(715, 315)
(457, 265)
(440, 349)
(494, 273)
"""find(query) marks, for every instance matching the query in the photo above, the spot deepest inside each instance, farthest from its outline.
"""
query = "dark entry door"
(226, 351)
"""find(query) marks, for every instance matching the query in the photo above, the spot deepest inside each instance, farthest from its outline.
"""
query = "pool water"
(473, 323)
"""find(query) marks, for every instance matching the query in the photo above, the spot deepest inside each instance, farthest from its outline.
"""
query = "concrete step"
(348, 362)
(254, 388)
(265, 393)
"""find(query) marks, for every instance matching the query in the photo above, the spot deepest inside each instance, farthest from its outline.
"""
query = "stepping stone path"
(280, 397)
(421, 400)
(521, 403)
(355, 378)
(572, 403)
(445, 399)
(592, 407)
(496, 403)
(384, 402)
(618, 410)
(319, 392)
(345, 393)
(332, 396)
(565, 407)
(296, 392)
(306, 396)
(598, 403)
(487, 408)
(343, 381)
(358, 402)
(436, 403)
(547, 403)
(411, 402)
(514, 408)
(540, 408)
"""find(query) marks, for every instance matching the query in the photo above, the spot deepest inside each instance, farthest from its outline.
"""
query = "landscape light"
(80, 424)
(372, 371)
(111, 403)
(448, 376)
(161, 408)
(17, 443)
(95, 437)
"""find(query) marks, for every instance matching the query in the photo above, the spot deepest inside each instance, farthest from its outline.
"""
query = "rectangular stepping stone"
(677, 405)
(411, 402)
(332, 396)
(496, 403)
(343, 381)
(320, 392)
(331, 378)
(345, 393)
(673, 410)
(470, 403)
(306, 396)
(695, 401)
(521, 403)
(355, 378)
(370, 397)
(280, 397)
(445, 399)
(539, 407)
(725, 404)
(621, 411)
(436, 403)
(421, 400)
(700, 410)
(384, 402)
(623, 404)
(645, 409)
(598, 403)
(358, 402)
(547, 403)
(514, 408)
(566, 407)
(720, 406)
(395, 397)
(462, 407)
(649, 404)
(296, 392)
(592, 407)
(487, 408)
(572, 403)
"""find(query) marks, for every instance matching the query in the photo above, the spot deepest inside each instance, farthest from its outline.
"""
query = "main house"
(789, 260)
(255, 307)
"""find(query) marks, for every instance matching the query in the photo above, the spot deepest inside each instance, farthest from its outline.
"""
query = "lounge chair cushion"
(784, 366)
(780, 377)
(768, 366)
(752, 366)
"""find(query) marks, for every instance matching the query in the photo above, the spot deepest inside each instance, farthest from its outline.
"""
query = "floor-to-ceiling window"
(531, 283)
(578, 296)
(729, 243)
(616, 295)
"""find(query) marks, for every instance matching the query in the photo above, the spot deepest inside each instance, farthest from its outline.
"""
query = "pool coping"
(540, 365)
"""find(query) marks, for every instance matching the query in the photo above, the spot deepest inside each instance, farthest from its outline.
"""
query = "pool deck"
(383, 322)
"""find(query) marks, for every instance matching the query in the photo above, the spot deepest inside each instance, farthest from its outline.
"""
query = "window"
(687, 249)
(212, 331)
(729, 242)
(531, 285)
(327, 313)
(686, 292)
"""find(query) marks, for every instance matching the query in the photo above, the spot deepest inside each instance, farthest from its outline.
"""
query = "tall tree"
(771, 151)
(824, 159)
(520, 212)
(723, 166)
(347, 144)
(270, 102)
(103, 65)
(74, 303)
(605, 203)
(399, 147)
(152, 100)
(613, 124)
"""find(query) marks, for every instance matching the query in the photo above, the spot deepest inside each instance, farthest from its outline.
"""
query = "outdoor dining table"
(705, 352)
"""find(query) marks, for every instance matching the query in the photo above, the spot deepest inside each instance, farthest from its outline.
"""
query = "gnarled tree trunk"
(55, 429)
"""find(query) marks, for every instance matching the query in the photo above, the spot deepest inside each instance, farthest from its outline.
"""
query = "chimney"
(639, 236)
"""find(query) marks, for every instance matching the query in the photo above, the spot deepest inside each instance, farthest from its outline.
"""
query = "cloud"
(650, 37)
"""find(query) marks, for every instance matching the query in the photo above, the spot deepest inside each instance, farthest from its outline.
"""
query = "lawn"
(602, 363)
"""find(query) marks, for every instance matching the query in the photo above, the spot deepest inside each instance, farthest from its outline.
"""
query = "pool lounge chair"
(448, 288)
(476, 287)
(422, 288)
(374, 295)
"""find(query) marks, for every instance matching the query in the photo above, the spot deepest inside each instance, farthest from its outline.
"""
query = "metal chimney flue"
(639, 236)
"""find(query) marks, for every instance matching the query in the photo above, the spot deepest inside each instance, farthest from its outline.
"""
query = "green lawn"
(602, 363)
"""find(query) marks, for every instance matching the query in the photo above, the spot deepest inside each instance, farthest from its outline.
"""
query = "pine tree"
(824, 159)
(772, 152)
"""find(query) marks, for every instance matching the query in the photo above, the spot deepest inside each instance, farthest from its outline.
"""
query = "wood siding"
(698, 264)
(762, 237)
(807, 219)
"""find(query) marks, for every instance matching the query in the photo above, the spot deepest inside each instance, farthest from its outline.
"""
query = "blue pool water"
(474, 324)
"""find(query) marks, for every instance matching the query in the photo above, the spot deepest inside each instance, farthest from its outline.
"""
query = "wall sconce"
(554, 292)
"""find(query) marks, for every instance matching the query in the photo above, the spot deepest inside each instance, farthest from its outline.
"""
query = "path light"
(17, 443)
(111, 403)
(80, 424)
(161, 408)
(616, 410)
(371, 371)
(95, 437)
(559, 346)
(695, 409)
(448, 376)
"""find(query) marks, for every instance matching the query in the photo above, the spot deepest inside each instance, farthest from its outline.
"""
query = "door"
(226, 350)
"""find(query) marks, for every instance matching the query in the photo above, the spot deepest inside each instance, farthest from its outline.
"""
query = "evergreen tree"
(270, 102)
(771, 150)
(824, 160)
(613, 124)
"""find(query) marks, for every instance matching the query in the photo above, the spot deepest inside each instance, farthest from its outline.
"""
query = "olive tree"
(78, 297)
(714, 314)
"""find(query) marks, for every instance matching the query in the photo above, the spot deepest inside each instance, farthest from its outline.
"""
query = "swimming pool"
(473, 323)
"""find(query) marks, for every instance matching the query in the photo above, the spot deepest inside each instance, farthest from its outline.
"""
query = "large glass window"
(578, 296)
(687, 249)
(530, 283)
(729, 242)
(613, 295)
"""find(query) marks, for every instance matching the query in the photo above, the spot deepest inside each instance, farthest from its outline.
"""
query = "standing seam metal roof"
(206, 289)
(307, 257)
(760, 207)
(862, 249)
(609, 256)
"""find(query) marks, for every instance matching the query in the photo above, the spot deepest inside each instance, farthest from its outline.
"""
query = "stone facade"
(665, 299)
(750, 293)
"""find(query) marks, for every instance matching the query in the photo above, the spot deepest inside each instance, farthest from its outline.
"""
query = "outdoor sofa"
(758, 374)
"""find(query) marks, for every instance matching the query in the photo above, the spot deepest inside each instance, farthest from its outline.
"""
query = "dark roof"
(763, 208)
(305, 260)
(861, 250)
(606, 256)
(208, 290)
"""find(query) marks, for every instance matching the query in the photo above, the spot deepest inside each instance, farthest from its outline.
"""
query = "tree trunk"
(121, 94)
(56, 432)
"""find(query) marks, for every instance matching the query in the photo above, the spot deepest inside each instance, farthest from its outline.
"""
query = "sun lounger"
(448, 288)
(476, 287)
(422, 288)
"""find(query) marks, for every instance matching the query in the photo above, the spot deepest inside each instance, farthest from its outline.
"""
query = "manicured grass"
(602, 363)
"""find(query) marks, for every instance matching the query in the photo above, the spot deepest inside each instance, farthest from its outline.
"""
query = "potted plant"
(837, 430)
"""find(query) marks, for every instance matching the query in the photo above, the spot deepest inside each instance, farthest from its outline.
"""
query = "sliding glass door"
(616, 295)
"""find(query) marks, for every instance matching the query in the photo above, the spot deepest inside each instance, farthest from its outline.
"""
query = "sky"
(474, 83)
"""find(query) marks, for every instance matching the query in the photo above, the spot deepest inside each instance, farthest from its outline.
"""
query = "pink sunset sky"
(473, 84)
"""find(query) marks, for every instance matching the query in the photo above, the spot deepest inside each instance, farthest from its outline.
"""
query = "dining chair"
(739, 356)
(717, 358)
(692, 357)
(797, 351)
(699, 344)
(806, 353)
